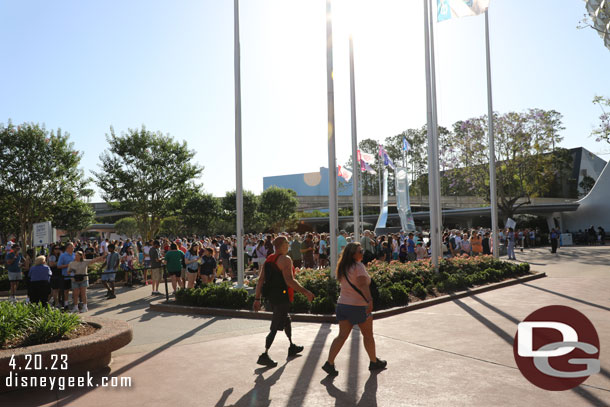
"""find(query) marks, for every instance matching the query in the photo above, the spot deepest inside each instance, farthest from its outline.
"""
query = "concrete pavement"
(457, 353)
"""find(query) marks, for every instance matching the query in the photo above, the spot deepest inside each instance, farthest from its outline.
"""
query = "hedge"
(398, 284)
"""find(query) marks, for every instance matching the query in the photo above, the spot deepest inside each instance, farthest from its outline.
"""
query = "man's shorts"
(110, 276)
(280, 318)
(157, 274)
(15, 276)
(226, 265)
(355, 314)
(55, 282)
(66, 284)
(175, 273)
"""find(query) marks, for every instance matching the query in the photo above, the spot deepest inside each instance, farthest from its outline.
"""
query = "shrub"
(419, 291)
(323, 305)
(300, 304)
(216, 296)
(400, 295)
(34, 324)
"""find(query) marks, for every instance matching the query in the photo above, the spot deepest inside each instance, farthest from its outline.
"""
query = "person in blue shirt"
(65, 259)
(341, 241)
(411, 248)
(554, 240)
(40, 281)
(13, 261)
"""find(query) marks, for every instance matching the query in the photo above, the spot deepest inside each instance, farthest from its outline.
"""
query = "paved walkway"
(456, 354)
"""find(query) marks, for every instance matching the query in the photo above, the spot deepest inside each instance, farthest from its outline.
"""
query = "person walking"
(280, 285)
(354, 307)
(554, 236)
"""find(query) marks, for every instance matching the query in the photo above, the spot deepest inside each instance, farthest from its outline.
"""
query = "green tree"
(145, 171)
(172, 226)
(38, 169)
(586, 184)
(602, 131)
(73, 216)
(126, 226)
(528, 161)
(278, 207)
(252, 218)
(201, 213)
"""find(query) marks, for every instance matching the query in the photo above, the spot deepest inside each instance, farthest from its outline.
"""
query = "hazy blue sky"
(86, 65)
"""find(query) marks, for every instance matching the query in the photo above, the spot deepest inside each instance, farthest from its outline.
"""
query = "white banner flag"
(345, 174)
(447, 9)
(366, 157)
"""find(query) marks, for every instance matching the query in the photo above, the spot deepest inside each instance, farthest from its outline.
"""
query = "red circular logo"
(556, 348)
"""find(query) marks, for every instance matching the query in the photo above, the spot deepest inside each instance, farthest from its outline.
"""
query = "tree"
(145, 171)
(201, 213)
(278, 207)
(528, 160)
(252, 218)
(73, 216)
(172, 226)
(126, 226)
(602, 131)
(586, 184)
(39, 171)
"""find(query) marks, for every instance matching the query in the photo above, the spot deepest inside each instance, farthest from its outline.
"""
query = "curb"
(160, 306)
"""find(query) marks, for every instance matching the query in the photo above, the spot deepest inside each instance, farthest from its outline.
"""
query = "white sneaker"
(84, 308)
(75, 309)
(12, 299)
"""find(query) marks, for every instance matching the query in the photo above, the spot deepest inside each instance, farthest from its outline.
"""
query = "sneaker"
(330, 369)
(146, 283)
(265, 360)
(111, 296)
(84, 308)
(75, 309)
(12, 299)
(107, 294)
(378, 365)
(293, 350)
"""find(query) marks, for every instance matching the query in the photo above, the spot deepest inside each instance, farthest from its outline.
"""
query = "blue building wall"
(308, 184)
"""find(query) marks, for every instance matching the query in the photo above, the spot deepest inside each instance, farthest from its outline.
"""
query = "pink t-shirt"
(348, 295)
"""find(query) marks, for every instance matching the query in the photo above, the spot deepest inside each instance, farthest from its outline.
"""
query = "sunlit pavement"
(453, 354)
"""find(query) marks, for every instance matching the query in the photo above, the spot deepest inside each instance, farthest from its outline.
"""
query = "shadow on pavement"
(259, 395)
(347, 398)
(580, 390)
(568, 297)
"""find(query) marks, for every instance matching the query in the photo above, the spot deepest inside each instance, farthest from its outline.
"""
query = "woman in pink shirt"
(354, 307)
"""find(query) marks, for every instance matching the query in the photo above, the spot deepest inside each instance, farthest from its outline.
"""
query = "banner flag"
(345, 174)
(447, 9)
(383, 214)
(388, 161)
(364, 166)
(366, 157)
(403, 202)
(405, 145)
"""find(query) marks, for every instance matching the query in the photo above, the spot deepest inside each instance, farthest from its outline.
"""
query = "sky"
(84, 66)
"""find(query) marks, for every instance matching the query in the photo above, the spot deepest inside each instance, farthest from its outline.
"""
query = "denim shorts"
(355, 314)
(79, 284)
(15, 276)
(110, 276)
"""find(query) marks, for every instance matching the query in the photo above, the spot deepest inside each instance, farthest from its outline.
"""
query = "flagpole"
(332, 164)
(432, 157)
(239, 189)
(437, 178)
(356, 175)
(492, 154)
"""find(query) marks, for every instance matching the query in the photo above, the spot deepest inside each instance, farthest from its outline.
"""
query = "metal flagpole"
(361, 206)
(239, 193)
(356, 175)
(332, 164)
(432, 157)
(437, 179)
(492, 153)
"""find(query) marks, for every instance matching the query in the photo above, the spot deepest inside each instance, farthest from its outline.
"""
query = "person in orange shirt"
(476, 243)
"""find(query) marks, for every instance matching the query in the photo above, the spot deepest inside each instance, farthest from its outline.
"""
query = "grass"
(33, 324)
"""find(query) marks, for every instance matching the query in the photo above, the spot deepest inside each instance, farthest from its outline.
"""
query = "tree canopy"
(145, 171)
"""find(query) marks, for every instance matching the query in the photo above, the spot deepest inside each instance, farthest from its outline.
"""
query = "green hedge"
(34, 324)
(397, 283)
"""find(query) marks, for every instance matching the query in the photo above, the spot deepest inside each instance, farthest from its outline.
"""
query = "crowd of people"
(52, 272)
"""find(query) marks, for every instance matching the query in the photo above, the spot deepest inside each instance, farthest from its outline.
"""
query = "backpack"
(274, 285)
